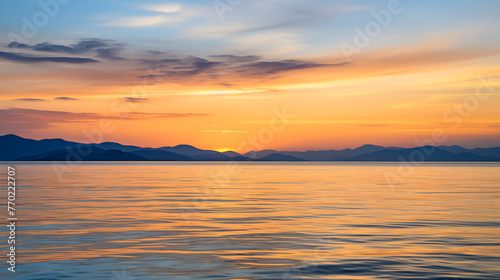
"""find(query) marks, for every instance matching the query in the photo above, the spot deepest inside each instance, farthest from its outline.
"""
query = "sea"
(253, 220)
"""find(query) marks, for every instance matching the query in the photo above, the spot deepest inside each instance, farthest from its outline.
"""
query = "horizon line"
(256, 150)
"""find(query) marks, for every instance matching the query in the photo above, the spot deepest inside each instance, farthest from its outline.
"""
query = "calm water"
(264, 221)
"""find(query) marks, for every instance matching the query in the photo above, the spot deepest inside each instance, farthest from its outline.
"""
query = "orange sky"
(224, 87)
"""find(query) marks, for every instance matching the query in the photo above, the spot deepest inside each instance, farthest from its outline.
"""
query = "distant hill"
(453, 149)
(96, 154)
(15, 148)
(334, 155)
(416, 155)
(260, 154)
(232, 154)
(486, 152)
(117, 146)
(188, 150)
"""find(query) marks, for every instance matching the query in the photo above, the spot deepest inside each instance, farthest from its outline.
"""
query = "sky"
(249, 75)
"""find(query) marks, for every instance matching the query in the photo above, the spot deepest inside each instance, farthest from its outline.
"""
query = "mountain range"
(16, 148)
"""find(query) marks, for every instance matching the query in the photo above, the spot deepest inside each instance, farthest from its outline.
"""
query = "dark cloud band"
(25, 58)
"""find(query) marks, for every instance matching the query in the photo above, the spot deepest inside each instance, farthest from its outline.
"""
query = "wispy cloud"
(140, 115)
(244, 66)
(273, 67)
(30, 99)
(135, 99)
(352, 8)
(66, 98)
(103, 48)
(15, 120)
(160, 14)
(237, 70)
(27, 58)
(137, 21)
(163, 8)
(237, 58)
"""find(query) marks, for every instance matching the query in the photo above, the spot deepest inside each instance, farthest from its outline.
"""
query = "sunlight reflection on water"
(270, 221)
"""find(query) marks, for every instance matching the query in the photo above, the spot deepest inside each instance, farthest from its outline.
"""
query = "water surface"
(257, 221)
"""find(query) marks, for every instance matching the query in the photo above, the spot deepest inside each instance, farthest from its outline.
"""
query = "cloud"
(103, 48)
(273, 67)
(224, 131)
(239, 71)
(170, 13)
(296, 21)
(134, 99)
(353, 8)
(287, 24)
(136, 21)
(141, 116)
(188, 66)
(187, 69)
(15, 120)
(284, 42)
(66, 98)
(164, 8)
(155, 52)
(47, 47)
(26, 58)
(193, 65)
(213, 31)
(18, 45)
(30, 99)
(245, 66)
(109, 53)
(237, 58)
(276, 16)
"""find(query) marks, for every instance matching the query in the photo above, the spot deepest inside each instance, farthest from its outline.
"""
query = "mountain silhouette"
(280, 157)
(487, 152)
(117, 146)
(13, 146)
(188, 150)
(16, 148)
(335, 155)
(426, 153)
(232, 154)
(74, 155)
(260, 154)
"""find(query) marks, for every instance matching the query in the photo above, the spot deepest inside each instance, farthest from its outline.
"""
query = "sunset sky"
(213, 75)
